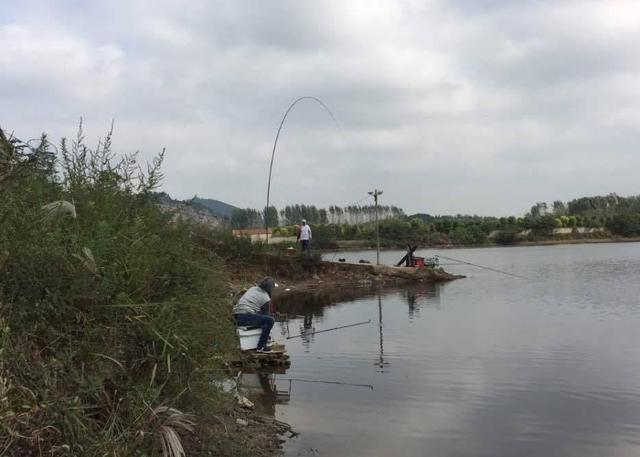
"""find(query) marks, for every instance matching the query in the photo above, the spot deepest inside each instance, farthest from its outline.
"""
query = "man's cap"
(267, 284)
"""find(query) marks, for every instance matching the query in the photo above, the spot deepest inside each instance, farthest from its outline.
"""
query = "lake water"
(490, 365)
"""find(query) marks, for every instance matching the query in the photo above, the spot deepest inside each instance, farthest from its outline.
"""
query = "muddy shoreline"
(300, 274)
(241, 431)
(332, 276)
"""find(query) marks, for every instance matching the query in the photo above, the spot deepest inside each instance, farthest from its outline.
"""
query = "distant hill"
(193, 209)
(220, 209)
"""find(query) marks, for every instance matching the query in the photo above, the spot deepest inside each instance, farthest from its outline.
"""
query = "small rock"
(242, 422)
(315, 276)
(244, 402)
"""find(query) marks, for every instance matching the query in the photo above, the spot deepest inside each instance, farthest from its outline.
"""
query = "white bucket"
(249, 337)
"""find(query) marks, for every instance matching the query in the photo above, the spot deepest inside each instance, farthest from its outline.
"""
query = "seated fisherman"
(253, 309)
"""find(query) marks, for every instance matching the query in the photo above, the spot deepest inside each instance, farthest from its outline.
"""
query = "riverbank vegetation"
(428, 230)
(111, 313)
(595, 218)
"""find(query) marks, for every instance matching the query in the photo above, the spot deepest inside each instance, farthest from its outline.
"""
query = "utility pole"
(375, 194)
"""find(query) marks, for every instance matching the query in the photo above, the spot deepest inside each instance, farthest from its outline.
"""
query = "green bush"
(228, 246)
(506, 237)
(625, 224)
(106, 307)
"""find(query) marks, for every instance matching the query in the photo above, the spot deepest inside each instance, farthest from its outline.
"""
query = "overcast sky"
(462, 106)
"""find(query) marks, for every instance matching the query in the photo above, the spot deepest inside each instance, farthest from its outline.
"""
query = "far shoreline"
(356, 246)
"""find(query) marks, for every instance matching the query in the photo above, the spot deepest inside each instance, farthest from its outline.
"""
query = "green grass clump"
(107, 308)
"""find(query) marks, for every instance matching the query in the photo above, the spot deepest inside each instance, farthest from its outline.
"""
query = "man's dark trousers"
(256, 320)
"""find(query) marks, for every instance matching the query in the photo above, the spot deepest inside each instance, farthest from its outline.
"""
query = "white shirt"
(305, 233)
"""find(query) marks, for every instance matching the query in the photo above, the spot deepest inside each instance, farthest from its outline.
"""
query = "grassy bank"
(111, 315)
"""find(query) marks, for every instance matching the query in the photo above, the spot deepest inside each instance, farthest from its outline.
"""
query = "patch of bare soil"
(239, 432)
(305, 274)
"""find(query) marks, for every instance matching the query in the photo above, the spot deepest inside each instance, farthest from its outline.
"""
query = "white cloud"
(498, 106)
(51, 63)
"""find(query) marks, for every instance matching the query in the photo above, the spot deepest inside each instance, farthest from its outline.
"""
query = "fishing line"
(314, 332)
(486, 268)
(370, 386)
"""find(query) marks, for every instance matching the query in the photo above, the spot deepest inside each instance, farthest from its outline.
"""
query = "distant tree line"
(593, 217)
(620, 215)
(356, 214)
(608, 215)
(293, 214)
(246, 218)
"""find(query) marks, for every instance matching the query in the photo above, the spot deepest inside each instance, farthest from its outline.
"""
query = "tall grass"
(107, 308)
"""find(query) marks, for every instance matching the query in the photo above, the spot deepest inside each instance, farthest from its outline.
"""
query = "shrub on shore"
(106, 307)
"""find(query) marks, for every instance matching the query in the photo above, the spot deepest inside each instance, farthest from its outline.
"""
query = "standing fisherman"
(305, 236)
(253, 309)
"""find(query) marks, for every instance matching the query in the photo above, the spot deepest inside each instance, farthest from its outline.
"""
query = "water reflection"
(315, 304)
(486, 366)
(422, 295)
(307, 308)
(382, 364)
(299, 304)
(261, 388)
(269, 389)
(307, 330)
(414, 306)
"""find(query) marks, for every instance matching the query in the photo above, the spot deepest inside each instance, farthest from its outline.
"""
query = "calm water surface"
(489, 365)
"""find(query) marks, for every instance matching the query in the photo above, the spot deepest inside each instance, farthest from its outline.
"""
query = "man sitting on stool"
(252, 310)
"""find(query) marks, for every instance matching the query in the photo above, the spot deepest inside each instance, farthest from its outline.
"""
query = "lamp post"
(375, 194)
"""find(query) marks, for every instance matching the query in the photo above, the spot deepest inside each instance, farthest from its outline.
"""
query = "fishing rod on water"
(326, 330)
(339, 383)
(485, 267)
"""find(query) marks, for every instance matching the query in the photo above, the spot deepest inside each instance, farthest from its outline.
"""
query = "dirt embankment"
(307, 274)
